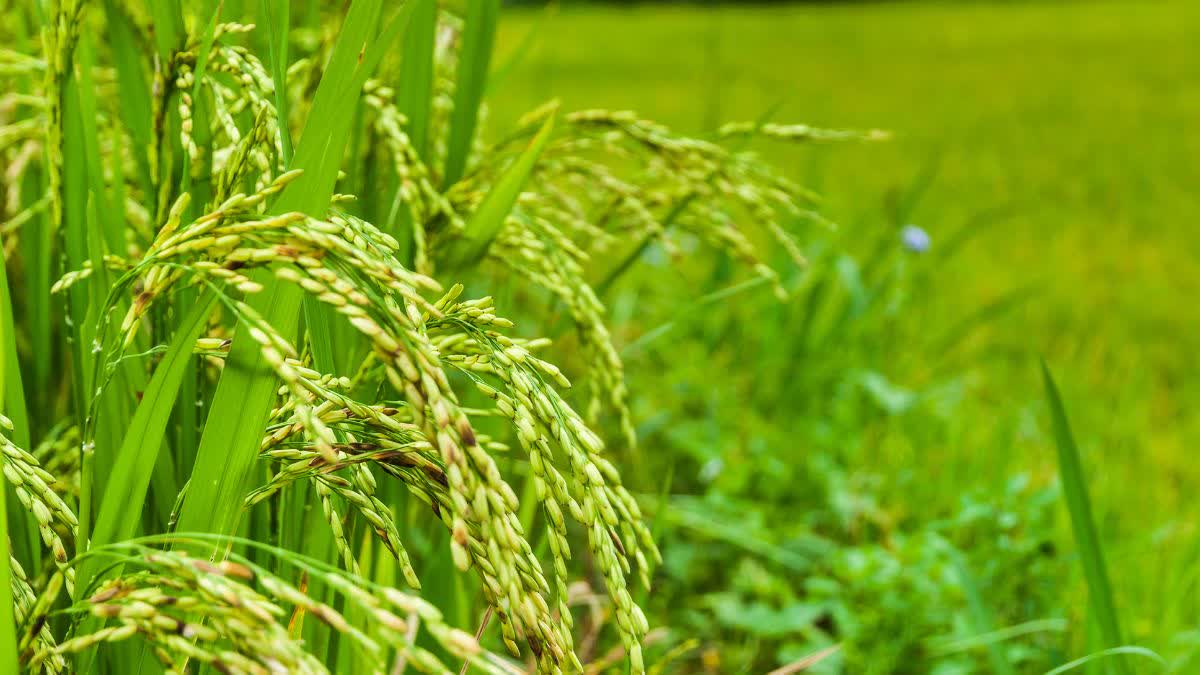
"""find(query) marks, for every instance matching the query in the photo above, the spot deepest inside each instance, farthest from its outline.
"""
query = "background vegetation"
(1045, 147)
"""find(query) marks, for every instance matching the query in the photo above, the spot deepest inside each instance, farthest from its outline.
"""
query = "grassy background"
(1060, 135)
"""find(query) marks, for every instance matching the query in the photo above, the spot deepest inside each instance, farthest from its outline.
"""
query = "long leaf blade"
(485, 223)
(1091, 554)
(414, 96)
(8, 628)
(130, 477)
(479, 34)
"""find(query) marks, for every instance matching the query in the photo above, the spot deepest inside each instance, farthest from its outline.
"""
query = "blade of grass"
(8, 367)
(74, 224)
(13, 387)
(1115, 651)
(964, 328)
(104, 234)
(479, 33)
(485, 223)
(168, 26)
(132, 87)
(943, 647)
(414, 96)
(144, 438)
(36, 246)
(318, 316)
(195, 179)
(1091, 555)
(277, 17)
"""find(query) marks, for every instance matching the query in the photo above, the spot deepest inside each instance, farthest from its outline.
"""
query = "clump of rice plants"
(248, 396)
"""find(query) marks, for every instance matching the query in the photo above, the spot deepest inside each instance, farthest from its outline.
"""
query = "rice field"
(375, 337)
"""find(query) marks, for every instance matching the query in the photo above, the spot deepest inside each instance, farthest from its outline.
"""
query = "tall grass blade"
(168, 26)
(414, 95)
(139, 450)
(479, 33)
(414, 99)
(485, 223)
(36, 246)
(1115, 651)
(690, 310)
(12, 391)
(24, 533)
(104, 233)
(277, 17)
(956, 645)
(8, 367)
(1091, 555)
(132, 88)
(74, 224)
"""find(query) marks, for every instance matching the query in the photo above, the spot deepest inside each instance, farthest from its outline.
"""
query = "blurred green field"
(1059, 138)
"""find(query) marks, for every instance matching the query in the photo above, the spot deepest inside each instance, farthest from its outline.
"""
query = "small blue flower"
(915, 239)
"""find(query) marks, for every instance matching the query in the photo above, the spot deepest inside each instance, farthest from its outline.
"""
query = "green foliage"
(1075, 260)
(800, 546)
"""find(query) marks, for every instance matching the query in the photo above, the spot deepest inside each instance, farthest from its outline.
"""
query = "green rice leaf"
(104, 233)
(12, 392)
(1091, 554)
(318, 316)
(143, 440)
(8, 368)
(414, 96)
(132, 87)
(12, 403)
(277, 20)
(74, 198)
(485, 223)
(1115, 651)
(168, 26)
(479, 33)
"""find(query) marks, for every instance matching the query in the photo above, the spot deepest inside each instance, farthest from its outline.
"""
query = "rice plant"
(254, 420)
